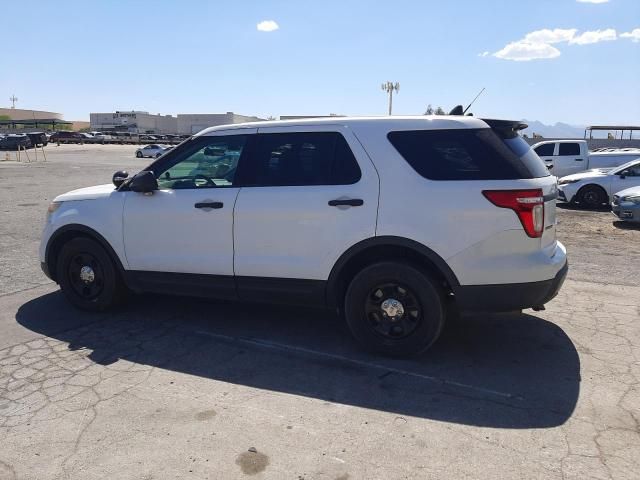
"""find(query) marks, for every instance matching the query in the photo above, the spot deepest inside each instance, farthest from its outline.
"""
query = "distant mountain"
(559, 130)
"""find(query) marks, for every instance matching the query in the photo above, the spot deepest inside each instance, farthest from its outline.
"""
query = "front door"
(310, 193)
(186, 226)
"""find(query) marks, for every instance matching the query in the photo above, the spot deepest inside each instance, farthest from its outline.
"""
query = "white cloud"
(594, 36)
(592, 1)
(522, 51)
(267, 26)
(634, 35)
(545, 35)
(484, 54)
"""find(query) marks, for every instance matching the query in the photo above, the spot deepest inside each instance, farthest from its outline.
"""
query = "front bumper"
(510, 296)
(627, 212)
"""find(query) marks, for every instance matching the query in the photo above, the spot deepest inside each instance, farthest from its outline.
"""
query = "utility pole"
(390, 87)
(13, 99)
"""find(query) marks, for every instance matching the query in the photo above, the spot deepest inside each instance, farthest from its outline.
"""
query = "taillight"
(528, 205)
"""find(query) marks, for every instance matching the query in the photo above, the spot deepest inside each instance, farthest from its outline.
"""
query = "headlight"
(53, 206)
(564, 181)
(631, 198)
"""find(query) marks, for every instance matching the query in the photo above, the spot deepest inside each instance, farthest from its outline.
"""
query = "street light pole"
(390, 87)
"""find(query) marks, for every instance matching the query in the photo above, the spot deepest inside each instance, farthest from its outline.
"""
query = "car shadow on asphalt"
(626, 225)
(577, 207)
(500, 371)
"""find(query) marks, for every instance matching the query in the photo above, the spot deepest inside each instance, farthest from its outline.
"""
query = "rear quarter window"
(467, 154)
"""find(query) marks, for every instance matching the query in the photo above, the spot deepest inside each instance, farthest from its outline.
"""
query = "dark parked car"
(66, 137)
(13, 142)
(38, 138)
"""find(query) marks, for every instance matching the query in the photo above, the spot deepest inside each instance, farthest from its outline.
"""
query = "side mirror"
(624, 174)
(119, 177)
(144, 182)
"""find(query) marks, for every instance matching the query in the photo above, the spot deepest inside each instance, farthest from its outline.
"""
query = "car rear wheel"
(88, 276)
(592, 196)
(139, 154)
(394, 309)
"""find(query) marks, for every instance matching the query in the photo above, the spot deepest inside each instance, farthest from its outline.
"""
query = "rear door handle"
(351, 202)
(206, 205)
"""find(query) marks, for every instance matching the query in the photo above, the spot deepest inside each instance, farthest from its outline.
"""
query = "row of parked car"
(593, 179)
(22, 141)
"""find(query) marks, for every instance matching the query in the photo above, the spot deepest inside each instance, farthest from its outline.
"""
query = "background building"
(20, 114)
(144, 122)
(189, 123)
(133, 122)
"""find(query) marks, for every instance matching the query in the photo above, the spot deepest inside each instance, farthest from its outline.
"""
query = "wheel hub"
(392, 308)
(87, 275)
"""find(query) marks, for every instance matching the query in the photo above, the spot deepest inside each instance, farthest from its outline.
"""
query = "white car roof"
(428, 122)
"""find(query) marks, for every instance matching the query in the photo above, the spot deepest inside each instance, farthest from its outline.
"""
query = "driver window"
(211, 162)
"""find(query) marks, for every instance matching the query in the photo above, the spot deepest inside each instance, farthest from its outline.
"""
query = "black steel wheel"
(592, 196)
(395, 309)
(87, 275)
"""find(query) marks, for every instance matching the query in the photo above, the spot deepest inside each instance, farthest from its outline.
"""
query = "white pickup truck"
(566, 157)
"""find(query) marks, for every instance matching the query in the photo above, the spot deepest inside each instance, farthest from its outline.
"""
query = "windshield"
(623, 167)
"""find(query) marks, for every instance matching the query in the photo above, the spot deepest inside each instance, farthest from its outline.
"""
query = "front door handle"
(578, 159)
(351, 202)
(206, 205)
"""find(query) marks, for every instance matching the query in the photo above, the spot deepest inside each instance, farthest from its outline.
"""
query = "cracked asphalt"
(185, 388)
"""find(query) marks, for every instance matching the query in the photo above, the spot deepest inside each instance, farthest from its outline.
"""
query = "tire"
(416, 324)
(592, 196)
(87, 275)
(139, 154)
(158, 155)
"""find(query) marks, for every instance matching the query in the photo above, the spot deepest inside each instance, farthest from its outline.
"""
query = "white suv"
(391, 221)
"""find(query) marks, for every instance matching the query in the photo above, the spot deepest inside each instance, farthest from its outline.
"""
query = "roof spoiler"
(509, 128)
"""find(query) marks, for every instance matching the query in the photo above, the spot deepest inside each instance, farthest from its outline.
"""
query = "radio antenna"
(472, 101)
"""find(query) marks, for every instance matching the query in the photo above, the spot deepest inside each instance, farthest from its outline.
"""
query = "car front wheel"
(139, 154)
(88, 276)
(394, 309)
(592, 196)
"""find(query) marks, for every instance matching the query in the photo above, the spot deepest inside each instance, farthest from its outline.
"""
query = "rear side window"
(469, 154)
(301, 158)
(545, 150)
(567, 149)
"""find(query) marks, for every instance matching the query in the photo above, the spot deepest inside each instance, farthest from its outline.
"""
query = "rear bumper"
(510, 296)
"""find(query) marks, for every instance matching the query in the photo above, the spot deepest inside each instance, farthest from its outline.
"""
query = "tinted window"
(569, 149)
(545, 150)
(302, 158)
(204, 162)
(470, 154)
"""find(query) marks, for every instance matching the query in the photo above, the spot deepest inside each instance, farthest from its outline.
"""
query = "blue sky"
(326, 57)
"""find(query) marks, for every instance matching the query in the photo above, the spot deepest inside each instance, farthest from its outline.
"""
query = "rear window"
(469, 154)
(567, 149)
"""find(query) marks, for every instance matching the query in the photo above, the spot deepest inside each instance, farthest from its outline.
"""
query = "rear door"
(309, 193)
(569, 159)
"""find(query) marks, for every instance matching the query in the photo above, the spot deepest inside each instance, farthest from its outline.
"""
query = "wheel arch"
(385, 247)
(68, 232)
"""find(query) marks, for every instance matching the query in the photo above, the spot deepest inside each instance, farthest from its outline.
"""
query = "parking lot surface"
(186, 388)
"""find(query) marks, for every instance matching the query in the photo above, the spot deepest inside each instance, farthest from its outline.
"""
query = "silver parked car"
(626, 204)
(153, 150)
